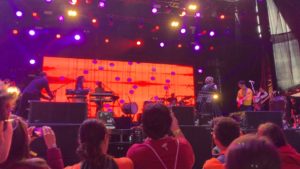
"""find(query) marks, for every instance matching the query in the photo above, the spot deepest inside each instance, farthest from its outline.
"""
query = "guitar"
(240, 101)
(259, 105)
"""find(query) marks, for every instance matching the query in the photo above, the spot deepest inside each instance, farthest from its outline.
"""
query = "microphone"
(251, 81)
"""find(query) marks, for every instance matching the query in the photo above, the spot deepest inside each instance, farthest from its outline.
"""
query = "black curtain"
(290, 10)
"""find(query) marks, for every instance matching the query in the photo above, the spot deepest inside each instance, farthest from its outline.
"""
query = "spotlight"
(179, 45)
(77, 37)
(34, 14)
(32, 61)
(215, 96)
(138, 43)
(183, 13)
(183, 30)
(19, 14)
(31, 32)
(106, 40)
(222, 16)
(15, 31)
(200, 70)
(174, 24)
(211, 33)
(197, 47)
(60, 18)
(101, 4)
(94, 20)
(154, 10)
(157, 27)
(162, 44)
(192, 7)
(48, 1)
(198, 15)
(72, 13)
(58, 36)
(73, 2)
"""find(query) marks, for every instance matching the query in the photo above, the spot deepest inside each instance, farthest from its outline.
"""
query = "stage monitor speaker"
(66, 138)
(57, 112)
(253, 119)
(201, 141)
(184, 114)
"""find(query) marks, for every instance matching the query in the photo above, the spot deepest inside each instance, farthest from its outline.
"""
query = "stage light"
(138, 43)
(72, 13)
(183, 30)
(198, 15)
(34, 14)
(15, 31)
(31, 32)
(174, 24)
(197, 47)
(211, 33)
(211, 48)
(32, 61)
(19, 14)
(192, 7)
(179, 45)
(222, 16)
(162, 44)
(106, 40)
(77, 37)
(94, 20)
(61, 18)
(157, 27)
(200, 70)
(73, 2)
(48, 0)
(154, 10)
(183, 13)
(215, 96)
(58, 36)
(101, 4)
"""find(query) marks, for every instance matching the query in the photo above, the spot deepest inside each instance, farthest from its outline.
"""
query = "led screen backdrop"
(131, 81)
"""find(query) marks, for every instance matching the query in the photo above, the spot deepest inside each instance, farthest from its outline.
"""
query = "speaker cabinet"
(252, 120)
(57, 112)
(184, 114)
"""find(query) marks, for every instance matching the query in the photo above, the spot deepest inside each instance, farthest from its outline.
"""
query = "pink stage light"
(197, 47)
(31, 32)
(77, 37)
(183, 31)
(19, 14)
(162, 44)
(200, 70)
(154, 10)
(32, 61)
(211, 33)
(101, 4)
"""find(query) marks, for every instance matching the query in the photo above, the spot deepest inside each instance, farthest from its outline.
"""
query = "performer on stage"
(99, 89)
(172, 100)
(79, 83)
(244, 97)
(207, 105)
(260, 100)
(34, 92)
(209, 86)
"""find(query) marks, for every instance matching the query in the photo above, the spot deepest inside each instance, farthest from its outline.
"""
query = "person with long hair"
(290, 158)
(8, 96)
(20, 149)
(250, 152)
(92, 150)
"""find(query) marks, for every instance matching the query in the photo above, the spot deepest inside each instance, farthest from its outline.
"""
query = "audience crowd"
(164, 148)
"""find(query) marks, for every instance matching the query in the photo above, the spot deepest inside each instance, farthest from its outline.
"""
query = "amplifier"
(57, 112)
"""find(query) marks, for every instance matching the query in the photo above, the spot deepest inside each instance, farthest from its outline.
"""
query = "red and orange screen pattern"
(131, 81)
